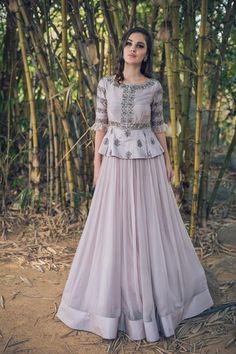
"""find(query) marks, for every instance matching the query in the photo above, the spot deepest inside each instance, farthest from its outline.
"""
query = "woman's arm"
(99, 135)
(161, 136)
(159, 127)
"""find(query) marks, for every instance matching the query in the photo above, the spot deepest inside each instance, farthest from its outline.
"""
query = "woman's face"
(135, 49)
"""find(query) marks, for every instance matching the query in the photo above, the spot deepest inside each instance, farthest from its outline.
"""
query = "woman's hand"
(169, 170)
(97, 166)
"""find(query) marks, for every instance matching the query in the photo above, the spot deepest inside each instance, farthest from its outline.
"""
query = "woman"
(135, 268)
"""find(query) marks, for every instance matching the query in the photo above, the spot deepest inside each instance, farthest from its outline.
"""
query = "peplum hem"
(130, 143)
(158, 325)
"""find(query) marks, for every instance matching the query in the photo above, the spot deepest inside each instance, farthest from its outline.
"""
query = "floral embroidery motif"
(102, 100)
(127, 132)
(106, 141)
(127, 105)
(101, 89)
(110, 152)
(157, 120)
(139, 143)
(100, 124)
(117, 142)
(153, 141)
(101, 110)
(148, 83)
(101, 119)
(128, 154)
(149, 153)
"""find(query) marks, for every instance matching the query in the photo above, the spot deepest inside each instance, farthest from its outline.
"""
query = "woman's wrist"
(97, 159)
(166, 156)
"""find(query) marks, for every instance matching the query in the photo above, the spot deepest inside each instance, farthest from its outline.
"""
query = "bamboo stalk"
(50, 164)
(124, 6)
(201, 39)
(62, 168)
(116, 11)
(133, 12)
(175, 6)
(172, 116)
(110, 27)
(56, 151)
(35, 175)
(69, 173)
(64, 43)
(109, 64)
(188, 49)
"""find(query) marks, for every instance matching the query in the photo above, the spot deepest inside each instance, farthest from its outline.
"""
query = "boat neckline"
(132, 83)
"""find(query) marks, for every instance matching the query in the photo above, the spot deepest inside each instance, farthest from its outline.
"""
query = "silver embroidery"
(139, 143)
(148, 83)
(101, 110)
(128, 154)
(117, 142)
(152, 140)
(127, 132)
(102, 89)
(130, 126)
(157, 119)
(127, 105)
(102, 100)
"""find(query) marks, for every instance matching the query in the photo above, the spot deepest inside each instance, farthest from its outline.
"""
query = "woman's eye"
(140, 46)
(128, 43)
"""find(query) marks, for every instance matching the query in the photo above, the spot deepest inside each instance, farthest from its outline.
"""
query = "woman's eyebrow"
(137, 42)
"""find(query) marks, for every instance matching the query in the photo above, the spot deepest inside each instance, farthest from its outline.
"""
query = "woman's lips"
(132, 55)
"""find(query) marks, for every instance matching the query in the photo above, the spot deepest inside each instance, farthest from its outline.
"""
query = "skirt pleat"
(135, 268)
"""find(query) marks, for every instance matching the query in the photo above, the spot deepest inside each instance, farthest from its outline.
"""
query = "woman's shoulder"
(104, 82)
(105, 79)
(156, 82)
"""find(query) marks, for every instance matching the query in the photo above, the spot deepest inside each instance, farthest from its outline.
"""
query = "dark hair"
(146, 66)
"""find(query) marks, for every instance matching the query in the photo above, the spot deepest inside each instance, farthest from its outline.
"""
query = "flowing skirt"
(135, 268)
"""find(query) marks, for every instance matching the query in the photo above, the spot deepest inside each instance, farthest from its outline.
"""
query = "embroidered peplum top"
(130, 114)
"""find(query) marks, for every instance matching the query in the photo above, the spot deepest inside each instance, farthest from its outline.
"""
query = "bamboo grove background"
(52, 55)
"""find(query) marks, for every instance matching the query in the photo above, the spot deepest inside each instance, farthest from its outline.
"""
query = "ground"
(30, 294)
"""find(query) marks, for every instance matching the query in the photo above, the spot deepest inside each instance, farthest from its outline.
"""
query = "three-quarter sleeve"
(101, 118)
(157, 119)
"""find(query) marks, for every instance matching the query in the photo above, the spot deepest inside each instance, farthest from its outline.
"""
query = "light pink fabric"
(135, 268)
(130, 114)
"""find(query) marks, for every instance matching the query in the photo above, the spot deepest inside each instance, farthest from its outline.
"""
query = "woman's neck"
(133, 74)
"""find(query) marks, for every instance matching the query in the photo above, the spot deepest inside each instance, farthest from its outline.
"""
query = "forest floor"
(35, 257)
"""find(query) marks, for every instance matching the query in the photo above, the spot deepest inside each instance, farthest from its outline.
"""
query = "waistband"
(129, 126)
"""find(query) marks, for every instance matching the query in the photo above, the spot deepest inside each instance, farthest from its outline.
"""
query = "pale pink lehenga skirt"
(135, 268)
